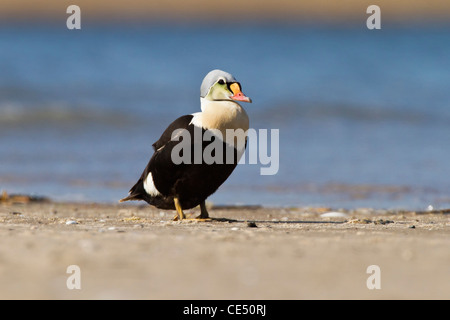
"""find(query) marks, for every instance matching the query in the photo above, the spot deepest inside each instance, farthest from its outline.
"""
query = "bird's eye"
(221, 81)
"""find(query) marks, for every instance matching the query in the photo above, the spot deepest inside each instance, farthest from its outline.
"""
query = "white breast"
(222, 115)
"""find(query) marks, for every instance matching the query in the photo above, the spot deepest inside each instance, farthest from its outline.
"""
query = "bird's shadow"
(276, 221)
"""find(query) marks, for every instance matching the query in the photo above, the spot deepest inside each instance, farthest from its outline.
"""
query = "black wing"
(137, 192)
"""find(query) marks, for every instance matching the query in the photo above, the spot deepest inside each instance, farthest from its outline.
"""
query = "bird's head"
(219, 85)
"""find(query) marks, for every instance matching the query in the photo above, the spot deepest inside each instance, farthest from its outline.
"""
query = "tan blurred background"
(205, 10)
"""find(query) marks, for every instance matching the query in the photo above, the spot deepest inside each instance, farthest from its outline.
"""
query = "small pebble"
(251, 224)
(412, 227)
(234, 228)
(71, 222)
(333, 214)
(381, 221)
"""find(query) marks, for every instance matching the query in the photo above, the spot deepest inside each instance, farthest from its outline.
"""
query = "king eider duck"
(207, 159)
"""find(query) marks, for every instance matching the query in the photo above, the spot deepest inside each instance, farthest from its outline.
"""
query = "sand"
(138, 252)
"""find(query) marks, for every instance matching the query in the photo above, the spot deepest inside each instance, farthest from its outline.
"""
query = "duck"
(197, 152)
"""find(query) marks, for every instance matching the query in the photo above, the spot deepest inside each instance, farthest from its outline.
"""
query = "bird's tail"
(136, 193)
(128, 198)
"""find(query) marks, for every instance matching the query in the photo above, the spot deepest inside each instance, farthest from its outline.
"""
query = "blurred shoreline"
(357, 110)
(27, 11)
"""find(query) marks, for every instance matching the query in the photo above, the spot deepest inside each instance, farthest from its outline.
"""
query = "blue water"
(363, 116)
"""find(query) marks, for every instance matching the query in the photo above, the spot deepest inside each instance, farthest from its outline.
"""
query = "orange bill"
(237, 93)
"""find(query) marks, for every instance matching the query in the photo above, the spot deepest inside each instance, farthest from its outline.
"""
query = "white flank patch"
(149, 186)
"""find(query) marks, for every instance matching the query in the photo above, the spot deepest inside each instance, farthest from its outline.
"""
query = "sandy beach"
(138, 252)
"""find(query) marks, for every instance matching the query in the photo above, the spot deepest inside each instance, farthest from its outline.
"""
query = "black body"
(191, 183)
